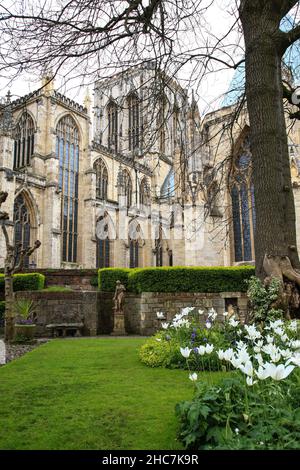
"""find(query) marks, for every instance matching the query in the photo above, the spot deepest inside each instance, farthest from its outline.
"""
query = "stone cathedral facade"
(133, 179)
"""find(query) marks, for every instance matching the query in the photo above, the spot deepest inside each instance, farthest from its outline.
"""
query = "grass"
(89, 394)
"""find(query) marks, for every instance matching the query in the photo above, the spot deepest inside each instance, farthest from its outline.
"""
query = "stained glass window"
(127, 187)
(23, 141)
(67, 146)
(133, 121)
(101, 180)
(243, 206)
(112, 117)
(134, 253)
(22, 227)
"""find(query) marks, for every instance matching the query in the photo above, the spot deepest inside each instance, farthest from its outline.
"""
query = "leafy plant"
(228, 416)
(24, 310)
(261, 299)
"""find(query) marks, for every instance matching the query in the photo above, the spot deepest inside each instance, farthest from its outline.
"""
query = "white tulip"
(292, 326)
(275, 357)
(208, 325)
(259, 359)
(253, 334)
(158, 340)
(262, 373)
(201, 312)
(295, 360)
(220, 354)
(243, 356)
(279, 372)
(185, 352)
(225, 314)
(201, 350)
(209, 348)
(236, 362)
(247, 368)
(295, 344)
(193, 377)
(228, 354)
(165, 326)
(186, 310)
(232, 322)
(269, 339)
(160, 315)
(286, 353)
(250, 381)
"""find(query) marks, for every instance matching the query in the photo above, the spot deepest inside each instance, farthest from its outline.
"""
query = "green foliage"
(24, 308)
(107, 278)
(94, 281)
(163, 349)
(261, 299)
(58, 289)
(177, 279)
(32, 281)
(227, 416)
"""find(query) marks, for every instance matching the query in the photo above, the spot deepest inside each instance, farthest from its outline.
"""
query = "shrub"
(107, 278)
(94, 281)
(177, 279)
(32, 281)
(190, 279)
(227, 416)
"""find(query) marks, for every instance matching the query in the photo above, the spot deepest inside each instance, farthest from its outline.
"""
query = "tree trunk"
(9, 312)
(275, 235)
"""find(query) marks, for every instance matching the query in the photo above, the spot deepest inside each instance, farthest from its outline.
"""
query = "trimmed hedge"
(107, 278)
(178, 279)
(32, 281)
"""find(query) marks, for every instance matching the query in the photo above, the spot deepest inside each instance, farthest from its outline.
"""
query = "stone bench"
(61, 329)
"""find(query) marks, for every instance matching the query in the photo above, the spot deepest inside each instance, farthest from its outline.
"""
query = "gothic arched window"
(101, 180)
(103, 246)
(159, 248)
(127, 187)
(161, 121)
(112, 117)
(243, 206)
(144, 192)
(24, 141)
(67, 150)
(133, 121)
(21, 226)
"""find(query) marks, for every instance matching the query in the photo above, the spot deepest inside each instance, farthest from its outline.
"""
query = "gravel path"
(13, 351)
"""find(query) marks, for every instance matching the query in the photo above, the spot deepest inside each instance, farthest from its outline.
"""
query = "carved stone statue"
(119, 298)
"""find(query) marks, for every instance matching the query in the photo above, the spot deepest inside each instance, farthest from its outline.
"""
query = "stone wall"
(94, 309)
(77, 279)
(140, 310)
(64, 307)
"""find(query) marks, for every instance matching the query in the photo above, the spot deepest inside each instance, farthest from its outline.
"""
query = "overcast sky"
(209, 92)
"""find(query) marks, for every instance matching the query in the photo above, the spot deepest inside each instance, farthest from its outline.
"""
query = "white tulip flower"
(228, 354)
(250, 381)
(286, 353)
(295, 344)
(275, 357)
(220, 354)
(295, 360)
(247, 368)
(158, 340)
(160, 315)
(292, 326)
(186, 310)
(236, 362)
(269, 339)
(201, 350)
(279, 372)
(253, 334)
(201, 312)
(209, 348)
(232, 322)
(259, 359)
(243, 356)
(193, 377)
(225, 314)
(165, 326)
(262, 373)
(208, 324)
(185, 352)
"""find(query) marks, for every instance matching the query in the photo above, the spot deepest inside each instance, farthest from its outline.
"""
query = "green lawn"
(89, 394)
